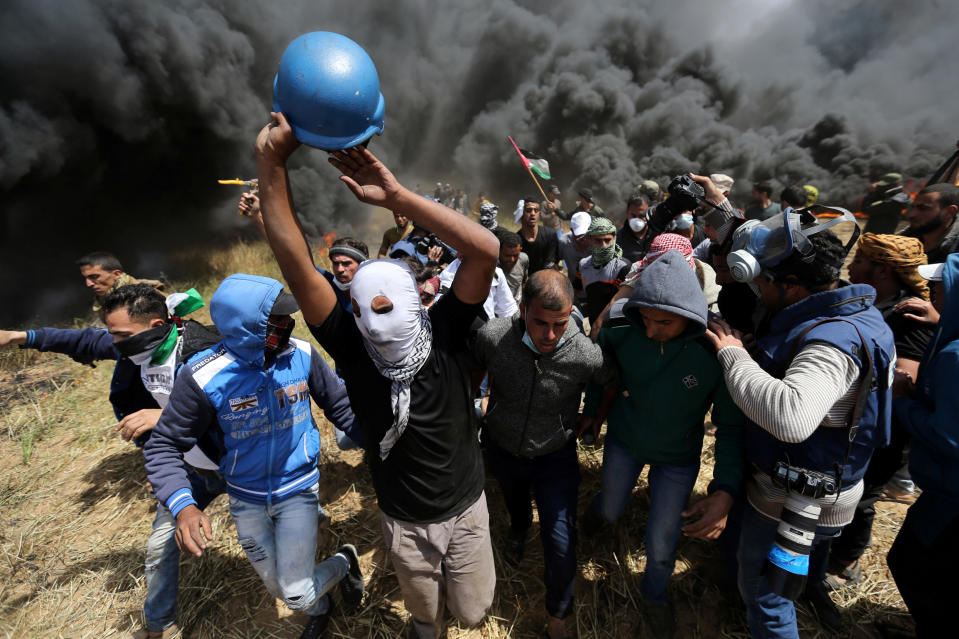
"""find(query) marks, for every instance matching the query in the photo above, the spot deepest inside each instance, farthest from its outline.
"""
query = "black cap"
(285, 304)
(587, 195)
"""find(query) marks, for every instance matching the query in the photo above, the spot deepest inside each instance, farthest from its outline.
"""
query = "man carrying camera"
(817, 404)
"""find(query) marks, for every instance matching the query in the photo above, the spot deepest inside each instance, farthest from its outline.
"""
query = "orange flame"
(327, 241)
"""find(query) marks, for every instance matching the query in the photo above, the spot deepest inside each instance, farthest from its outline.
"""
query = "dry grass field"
(76, 510)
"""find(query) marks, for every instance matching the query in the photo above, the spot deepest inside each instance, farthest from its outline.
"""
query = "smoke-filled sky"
(118, 116)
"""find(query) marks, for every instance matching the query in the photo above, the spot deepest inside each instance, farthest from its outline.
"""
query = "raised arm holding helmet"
(374, 184)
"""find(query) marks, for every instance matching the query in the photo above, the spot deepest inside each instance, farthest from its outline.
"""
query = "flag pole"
(528, 169)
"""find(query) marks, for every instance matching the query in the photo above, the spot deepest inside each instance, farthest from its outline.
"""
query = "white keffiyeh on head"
(398, 341)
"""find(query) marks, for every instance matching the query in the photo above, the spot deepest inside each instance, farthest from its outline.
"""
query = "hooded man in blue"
(923, 560)
(251, 392)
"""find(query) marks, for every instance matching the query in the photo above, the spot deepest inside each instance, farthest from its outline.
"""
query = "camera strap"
(862, 395)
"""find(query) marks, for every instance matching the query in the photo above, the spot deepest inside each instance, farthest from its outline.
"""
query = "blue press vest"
(270, 439)
(826, 448)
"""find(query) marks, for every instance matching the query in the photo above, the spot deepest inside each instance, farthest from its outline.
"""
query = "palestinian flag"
(531, 161)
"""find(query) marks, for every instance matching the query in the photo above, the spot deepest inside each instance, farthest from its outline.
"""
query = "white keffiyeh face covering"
(398, 341)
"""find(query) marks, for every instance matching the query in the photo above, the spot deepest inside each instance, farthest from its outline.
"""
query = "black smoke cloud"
(117, 116)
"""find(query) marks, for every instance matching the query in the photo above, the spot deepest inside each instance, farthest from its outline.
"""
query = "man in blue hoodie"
(923, 559)
(251, 392)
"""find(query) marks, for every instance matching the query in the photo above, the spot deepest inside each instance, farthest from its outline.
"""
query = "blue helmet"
(329, 91)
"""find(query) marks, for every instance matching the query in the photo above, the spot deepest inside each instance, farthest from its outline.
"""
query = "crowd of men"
(463, 348)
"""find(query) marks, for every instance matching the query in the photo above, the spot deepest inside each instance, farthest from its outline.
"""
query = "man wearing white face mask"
(630, 236)
(408, 376)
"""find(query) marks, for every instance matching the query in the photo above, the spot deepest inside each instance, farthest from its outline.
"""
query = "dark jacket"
(667, 388)
(932, 416)
(534, 398)
(841, 318)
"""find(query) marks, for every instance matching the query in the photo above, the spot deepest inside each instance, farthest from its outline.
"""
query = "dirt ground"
(76, 512)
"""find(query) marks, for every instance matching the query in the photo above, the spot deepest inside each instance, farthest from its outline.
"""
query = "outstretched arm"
(373, 183)
(313, 293)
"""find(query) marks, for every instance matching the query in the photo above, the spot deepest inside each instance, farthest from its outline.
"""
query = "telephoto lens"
(787, 563)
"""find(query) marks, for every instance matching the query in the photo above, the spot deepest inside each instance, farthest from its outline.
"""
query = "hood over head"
(239, 309)
(668, 284)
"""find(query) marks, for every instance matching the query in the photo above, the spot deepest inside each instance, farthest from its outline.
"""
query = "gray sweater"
(534, 399)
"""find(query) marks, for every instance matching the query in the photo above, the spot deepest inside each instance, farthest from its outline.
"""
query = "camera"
(424, 243)
(684, 195)
(787, 563)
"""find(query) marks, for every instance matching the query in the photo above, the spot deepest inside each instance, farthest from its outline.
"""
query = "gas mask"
(757, 246)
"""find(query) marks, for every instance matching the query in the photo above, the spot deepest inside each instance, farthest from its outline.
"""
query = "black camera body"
(808, 483)
(787, 563)
(424, 243)
(684, 195)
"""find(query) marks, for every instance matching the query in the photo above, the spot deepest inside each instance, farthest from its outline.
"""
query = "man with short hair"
(102, 273)
(932, 219)
(630, 236)
(409, 373)
(823, 343)
(885, 203)
(250, 394)
(346, 254)
(539, 364)
(402, 227)
(890, 264)
(539, 243)
(149, 349)
(551, 212)
(762, 207)
(792, 197)
(514, 262)
(586, 204)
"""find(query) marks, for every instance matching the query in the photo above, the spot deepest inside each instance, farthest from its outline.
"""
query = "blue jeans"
(769, 614)
(669, 490)
(163, 556)
(553, 480)
(280, 542)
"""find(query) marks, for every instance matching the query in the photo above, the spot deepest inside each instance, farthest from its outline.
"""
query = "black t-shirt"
(434, 470)
(543, 252)
(911, 337)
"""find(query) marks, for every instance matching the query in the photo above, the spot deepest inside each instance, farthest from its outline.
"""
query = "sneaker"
(848, 576)
(817, 598)
(515, 547)
(351, 586)
(317, 624)
(169, 632)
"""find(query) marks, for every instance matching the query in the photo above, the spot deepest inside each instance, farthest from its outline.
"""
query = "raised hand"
(368, 178)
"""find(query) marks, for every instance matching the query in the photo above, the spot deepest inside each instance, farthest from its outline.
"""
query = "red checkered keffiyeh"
(659, 247)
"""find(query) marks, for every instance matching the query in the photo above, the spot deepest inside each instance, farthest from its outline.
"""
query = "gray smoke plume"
(118, 116)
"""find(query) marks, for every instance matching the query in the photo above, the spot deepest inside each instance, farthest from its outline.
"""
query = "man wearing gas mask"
(250, 394)
(408, 374)
(818, 403)
(149, 341)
